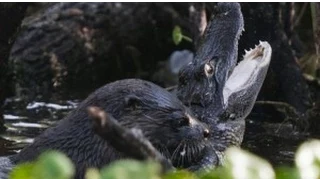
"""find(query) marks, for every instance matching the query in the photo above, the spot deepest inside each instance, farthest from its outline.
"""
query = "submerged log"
(11, 15)
(84, 45)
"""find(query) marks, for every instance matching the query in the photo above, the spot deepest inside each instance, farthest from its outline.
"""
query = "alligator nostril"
(206, 133)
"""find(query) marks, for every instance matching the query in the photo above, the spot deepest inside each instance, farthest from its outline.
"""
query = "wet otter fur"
(163, 119)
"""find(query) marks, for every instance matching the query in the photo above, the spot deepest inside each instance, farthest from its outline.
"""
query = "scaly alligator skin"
(219, 93)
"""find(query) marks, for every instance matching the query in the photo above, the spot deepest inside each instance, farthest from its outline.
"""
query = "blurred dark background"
(57, 52)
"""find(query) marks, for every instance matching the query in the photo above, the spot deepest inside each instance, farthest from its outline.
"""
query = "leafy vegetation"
(238, 164)
(50, 165)
(177, 36)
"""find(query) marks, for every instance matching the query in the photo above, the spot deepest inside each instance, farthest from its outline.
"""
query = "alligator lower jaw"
(249, 72)
(261, 53)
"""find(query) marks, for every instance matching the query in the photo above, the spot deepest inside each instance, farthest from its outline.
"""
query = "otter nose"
(206, 133)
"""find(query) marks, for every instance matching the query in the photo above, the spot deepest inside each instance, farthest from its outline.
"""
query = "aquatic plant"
(238, 164)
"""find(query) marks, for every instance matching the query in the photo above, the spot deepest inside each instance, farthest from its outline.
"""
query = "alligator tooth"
(260, 42)
(246, 52)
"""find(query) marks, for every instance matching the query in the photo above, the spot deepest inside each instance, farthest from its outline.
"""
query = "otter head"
(201, 81)
(169, 126)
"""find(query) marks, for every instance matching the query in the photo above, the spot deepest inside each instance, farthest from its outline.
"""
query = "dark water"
(26, 121)
(275, 142)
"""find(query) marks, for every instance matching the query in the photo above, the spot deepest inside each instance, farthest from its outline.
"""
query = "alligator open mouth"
(250, 72)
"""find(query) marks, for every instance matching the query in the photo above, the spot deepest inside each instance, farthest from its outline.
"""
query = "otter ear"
(132, 101)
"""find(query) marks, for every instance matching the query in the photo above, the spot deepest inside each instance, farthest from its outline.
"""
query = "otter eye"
(184, 121)
(232, 116)
(208, 69)
(132, 101)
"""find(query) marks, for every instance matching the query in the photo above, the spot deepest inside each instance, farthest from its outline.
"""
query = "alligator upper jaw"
(201, 82)
(221, 36)
(245, 82)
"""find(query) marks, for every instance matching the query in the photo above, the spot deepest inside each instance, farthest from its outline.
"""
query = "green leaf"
(22, 171)
(308, 159)
(245, 165)
(177, 35)
(49, 165)
(92, 173)
(217, 173)
(186, 38)
(131, 169)
(287, 173)
(53, 165)
(180, 174)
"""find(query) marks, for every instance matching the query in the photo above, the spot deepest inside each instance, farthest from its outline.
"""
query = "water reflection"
(24, 122)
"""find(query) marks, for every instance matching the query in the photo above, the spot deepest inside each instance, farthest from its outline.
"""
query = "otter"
(163, 119)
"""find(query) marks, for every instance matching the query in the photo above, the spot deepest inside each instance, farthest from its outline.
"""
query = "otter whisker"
(175, 151)
(176, 154)
(164, 151)
(191, 154)
(192, 150)
(183, 154)
(187, 158)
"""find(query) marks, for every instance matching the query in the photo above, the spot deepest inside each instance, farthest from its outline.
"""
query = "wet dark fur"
(135, 103)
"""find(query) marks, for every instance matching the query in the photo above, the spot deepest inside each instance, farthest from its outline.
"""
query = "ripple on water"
(35, 105)
(13, 117)
(27, 124)
(24, 123)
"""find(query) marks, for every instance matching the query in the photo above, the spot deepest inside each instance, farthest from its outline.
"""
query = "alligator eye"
(209, 68)
(184, 121)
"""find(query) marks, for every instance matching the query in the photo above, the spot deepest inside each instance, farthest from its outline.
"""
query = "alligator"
(220, 93)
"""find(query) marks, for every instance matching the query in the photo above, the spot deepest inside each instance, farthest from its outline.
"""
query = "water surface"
(275, 142)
